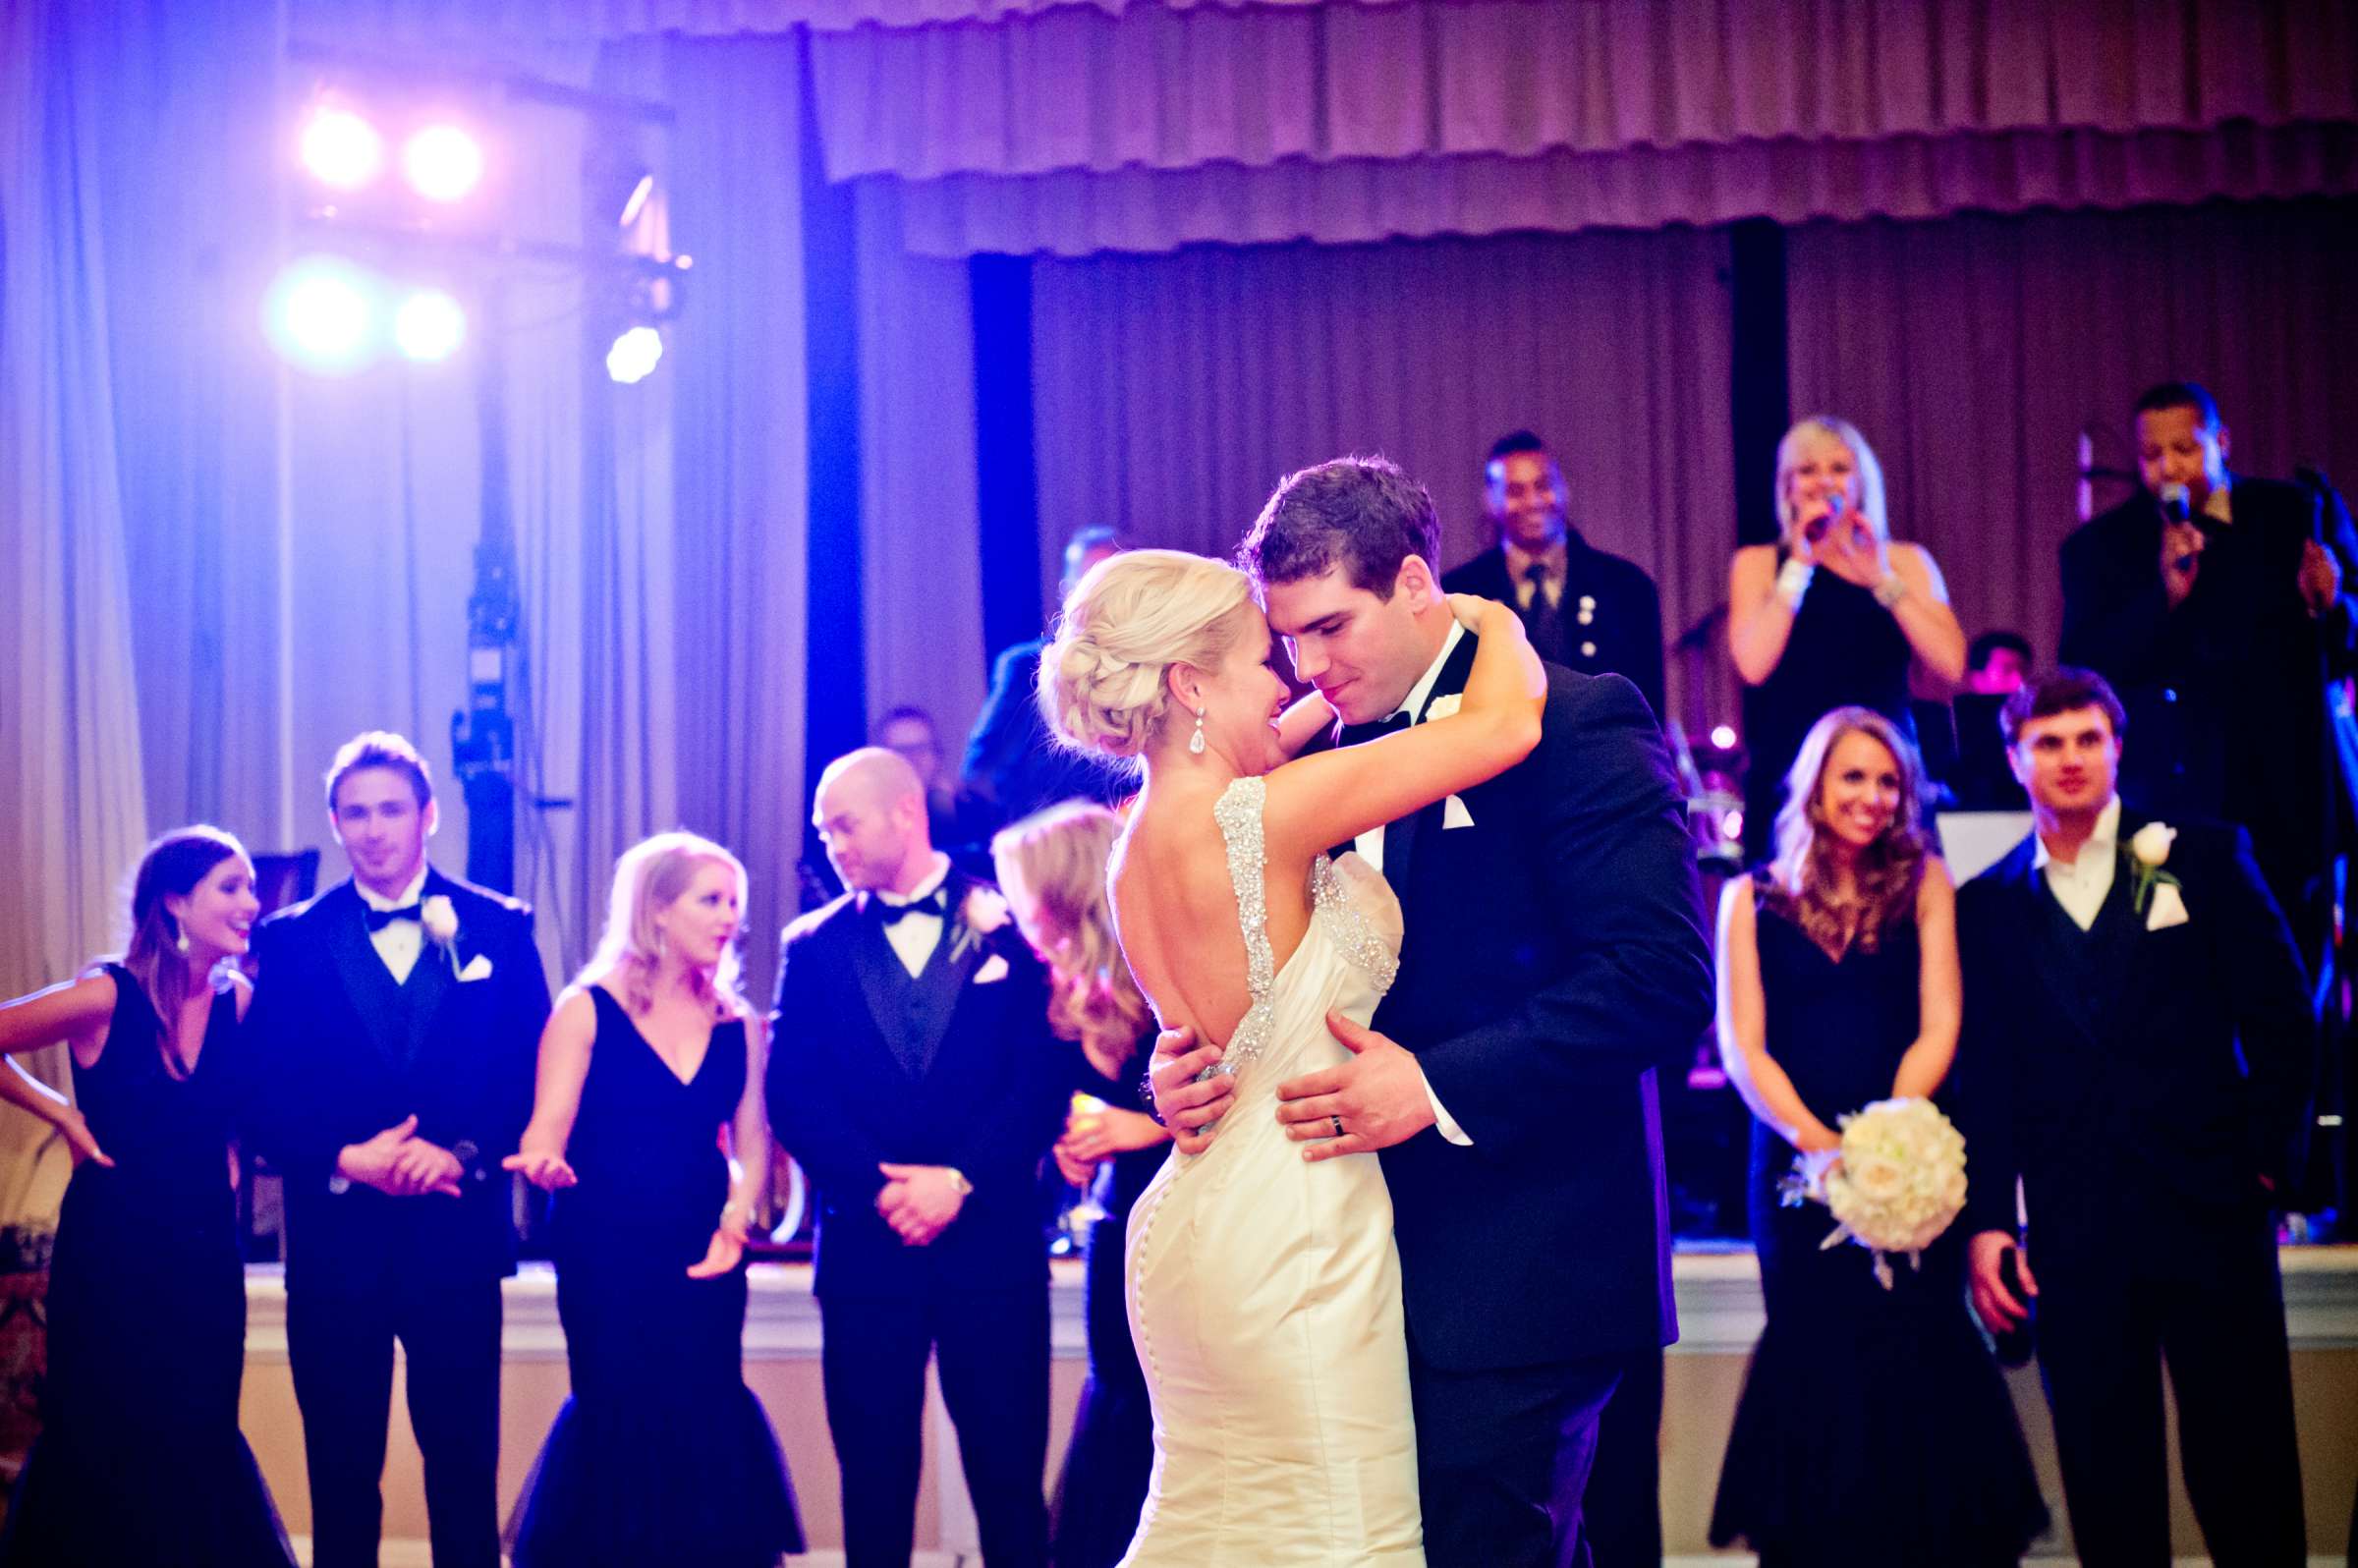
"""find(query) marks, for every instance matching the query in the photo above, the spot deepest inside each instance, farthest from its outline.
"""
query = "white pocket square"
(994, 968)
(1455, 814)
(478, 967)
(2168, 907)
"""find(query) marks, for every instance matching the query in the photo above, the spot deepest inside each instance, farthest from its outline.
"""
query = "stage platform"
(1720, 1316)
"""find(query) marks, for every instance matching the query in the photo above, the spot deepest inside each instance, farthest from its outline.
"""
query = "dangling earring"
(182, 940)
(1195, 742)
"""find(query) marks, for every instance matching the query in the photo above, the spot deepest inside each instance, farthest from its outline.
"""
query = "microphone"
(2175, 508)
(1834, 502)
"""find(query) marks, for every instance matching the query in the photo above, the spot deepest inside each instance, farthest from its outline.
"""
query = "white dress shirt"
(397, 942)
(1370, 843)
(915, 936)
(2082, 884)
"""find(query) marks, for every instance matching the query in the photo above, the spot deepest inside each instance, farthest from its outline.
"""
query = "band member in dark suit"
(1012, 766)
(1555, 944)
(916, 1080)
(2218, 606)
(2136, 1048)
(1585, 609)
(396, 1023)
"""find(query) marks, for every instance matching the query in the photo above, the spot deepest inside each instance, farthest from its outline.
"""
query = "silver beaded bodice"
(1239, 815)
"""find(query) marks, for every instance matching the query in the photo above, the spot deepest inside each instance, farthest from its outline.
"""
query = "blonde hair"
(1888, 872)
(1051, 865)
(1124, 625)
(650, 877)
(1861, 456)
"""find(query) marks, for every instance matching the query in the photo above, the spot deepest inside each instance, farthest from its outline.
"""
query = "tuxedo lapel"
(938, 989)
(1401, 837)
(367, 981)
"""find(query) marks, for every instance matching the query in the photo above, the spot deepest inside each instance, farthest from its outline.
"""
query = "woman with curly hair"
(1051, 865)
(1869, 1417)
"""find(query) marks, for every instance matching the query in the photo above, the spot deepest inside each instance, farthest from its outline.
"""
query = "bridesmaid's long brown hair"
(1801, 880)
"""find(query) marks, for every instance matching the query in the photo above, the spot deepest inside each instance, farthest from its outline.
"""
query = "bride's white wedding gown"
(1264, 1290)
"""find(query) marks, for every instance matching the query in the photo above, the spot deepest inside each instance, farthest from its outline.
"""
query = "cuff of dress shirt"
(1442, 1121)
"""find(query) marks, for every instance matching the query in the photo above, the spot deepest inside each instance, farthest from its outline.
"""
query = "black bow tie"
(936, 904)
(379, 919)
(1353, 734)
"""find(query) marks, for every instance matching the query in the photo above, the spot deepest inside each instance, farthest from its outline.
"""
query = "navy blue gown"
(1102, 1485)
(1874, 1424)
(662, 1454)
(140, 1458)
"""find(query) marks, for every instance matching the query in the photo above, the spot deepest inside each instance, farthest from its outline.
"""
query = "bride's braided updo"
(1125, 624)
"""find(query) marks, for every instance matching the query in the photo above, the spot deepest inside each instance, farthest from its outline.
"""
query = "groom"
(1554, 945)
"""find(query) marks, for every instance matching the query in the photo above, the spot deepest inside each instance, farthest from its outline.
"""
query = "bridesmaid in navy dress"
(140, 1458)
(647, 1125)
(1874, 1424)
(1051, 865)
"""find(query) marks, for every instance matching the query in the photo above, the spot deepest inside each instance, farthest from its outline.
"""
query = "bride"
(1265, 1289)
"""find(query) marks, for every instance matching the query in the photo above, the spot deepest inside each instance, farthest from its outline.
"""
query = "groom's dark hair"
(1363, 513)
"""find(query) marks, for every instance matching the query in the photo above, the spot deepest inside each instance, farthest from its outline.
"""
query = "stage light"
(442, 163)
(342, 150)
(634, 354)
(322, 314)
(429, 325)
(1723, 737)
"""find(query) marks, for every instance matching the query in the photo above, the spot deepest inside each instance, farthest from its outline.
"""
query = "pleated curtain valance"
(1073, 125)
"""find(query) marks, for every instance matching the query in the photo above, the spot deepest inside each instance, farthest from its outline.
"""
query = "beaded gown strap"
(1355, 934)
(1238, 813)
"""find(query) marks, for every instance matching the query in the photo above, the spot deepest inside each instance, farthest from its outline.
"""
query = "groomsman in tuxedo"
(915, 1079)
(1554, 952)
(2136, 1050)
(396, 1023)
(1585, 609)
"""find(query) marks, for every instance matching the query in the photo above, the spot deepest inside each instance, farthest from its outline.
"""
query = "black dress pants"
(2212, 1307)
(993, 1354)
(1503, 1458)
(340, 1350)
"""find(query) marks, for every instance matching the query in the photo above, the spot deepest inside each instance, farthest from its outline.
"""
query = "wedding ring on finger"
(1339, 1125)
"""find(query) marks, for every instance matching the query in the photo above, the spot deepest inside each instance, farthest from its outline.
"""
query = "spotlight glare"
(638, 201)
(634, 354)
(442, 163)
(342, 150)
(323, 315)
(1724, 736)
(429, 326)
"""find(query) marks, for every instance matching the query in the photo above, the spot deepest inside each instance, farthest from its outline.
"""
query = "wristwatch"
(958, 1182)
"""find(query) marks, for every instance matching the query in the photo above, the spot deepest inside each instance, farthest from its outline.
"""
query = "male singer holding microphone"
(2218, 606)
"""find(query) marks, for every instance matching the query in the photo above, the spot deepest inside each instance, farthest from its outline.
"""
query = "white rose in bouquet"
(1901, 1181)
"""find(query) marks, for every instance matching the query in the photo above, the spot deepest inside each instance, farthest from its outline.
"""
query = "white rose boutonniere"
(441, 923)
(984, 912)
(2148, 852)
(1441, 707)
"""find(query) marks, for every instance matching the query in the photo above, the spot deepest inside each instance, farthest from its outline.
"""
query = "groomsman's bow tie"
(1353, 734)
(936, 904)
(379, 919)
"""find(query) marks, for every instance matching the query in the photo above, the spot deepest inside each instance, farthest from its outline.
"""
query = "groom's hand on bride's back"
(1183, 1105)
(1373, 1100)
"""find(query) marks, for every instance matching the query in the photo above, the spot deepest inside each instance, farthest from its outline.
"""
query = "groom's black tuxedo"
(342, 1053)
(2141, 1082)
(956, 1067)
(1554, 952)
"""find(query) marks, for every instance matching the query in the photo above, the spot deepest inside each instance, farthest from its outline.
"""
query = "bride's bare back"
(1174, 909)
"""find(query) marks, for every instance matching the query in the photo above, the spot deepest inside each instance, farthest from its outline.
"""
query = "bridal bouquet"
(1900, 1181)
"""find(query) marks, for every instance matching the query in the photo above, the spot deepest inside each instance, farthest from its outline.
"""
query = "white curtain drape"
(69, 760)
